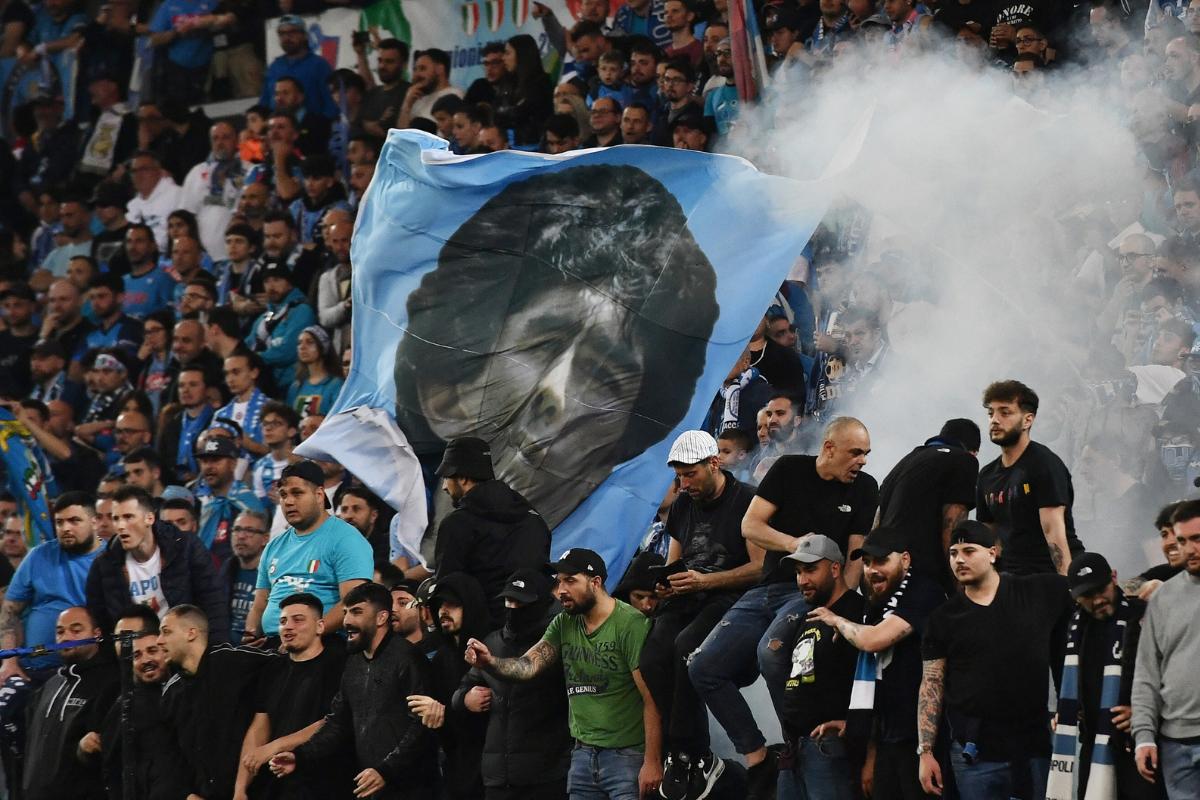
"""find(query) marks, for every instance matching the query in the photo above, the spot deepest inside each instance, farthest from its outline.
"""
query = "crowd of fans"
(176, 319)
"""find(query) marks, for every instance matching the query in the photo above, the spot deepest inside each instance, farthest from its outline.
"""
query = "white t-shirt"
(212, 213)
(145, 588)
(153, 210)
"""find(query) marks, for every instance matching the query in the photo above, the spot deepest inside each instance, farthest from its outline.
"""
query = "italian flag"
(520, 12)
(470, 13)
(314, 565)
(495, 14)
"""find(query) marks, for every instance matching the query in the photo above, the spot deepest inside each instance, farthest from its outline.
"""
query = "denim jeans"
(602, 773)
(751, 638)
(822, 772)
(985, 780)
(1180, 764)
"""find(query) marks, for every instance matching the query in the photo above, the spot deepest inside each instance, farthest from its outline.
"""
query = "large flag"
(749, 57)
(29, 477)
(578, 312)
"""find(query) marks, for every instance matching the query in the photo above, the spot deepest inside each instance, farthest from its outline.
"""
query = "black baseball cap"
(973, 532)
(306, 471)
(527, 586)
(277, 268)
(881, 543)
(426, 591)
(1087, 573)
(410, 585)
(579, 560)
(468, 457)
(218, 447)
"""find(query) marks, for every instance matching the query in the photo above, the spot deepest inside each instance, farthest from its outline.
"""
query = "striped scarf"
(1102, 783)
(868, 671)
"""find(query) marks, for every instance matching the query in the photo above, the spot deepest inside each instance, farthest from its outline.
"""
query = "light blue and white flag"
(577, 312)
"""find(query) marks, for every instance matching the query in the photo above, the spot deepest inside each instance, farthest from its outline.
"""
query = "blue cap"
(178, 493)
(291, 21)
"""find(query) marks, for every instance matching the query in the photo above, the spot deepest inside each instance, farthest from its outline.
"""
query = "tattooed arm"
(538, 658)
(952, 515)
(11, 635)
(871, 638)
(929, 715)
(1054, 528)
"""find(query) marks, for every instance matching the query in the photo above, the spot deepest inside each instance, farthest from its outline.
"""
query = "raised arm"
(538, 658)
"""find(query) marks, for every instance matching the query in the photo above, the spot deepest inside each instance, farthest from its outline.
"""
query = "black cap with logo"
(579, 560)
(467, 457)
(1088, 573)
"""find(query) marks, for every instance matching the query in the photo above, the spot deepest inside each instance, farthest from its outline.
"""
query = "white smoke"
(996, 203)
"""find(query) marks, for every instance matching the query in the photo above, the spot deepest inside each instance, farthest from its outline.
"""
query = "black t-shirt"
(108, 248)
(710, 535)
(782, 368)
(997, 660)
(818, 687)
(1011, 497)
(6, 573)
(382, 105)
(295, 694)
(896, 691)
(807, 503)
(954, 15)
(912, 495)
(1161, 572)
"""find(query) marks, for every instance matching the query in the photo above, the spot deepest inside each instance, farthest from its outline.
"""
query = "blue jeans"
(601, 773)
(986, 780)
(752, 637)
(822, 772)
(1180, 764)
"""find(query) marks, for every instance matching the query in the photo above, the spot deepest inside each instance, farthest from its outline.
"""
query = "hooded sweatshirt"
(463, 733)
(493, 532)
(69, 705)
(527, 741)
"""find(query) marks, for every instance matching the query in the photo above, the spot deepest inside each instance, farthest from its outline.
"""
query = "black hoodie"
(528, 741)
(69, 705)
(493, 532)
(463, 733)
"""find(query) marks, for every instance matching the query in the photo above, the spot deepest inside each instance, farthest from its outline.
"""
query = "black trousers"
(897, 772)
(679, 628)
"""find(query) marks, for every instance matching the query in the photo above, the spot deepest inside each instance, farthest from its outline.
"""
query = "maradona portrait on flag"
(574, 312)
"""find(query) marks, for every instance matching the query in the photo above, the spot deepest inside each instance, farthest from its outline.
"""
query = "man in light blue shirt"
(318, 553)
(50, 579)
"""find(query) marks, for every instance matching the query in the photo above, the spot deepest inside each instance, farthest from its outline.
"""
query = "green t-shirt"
(605, 707)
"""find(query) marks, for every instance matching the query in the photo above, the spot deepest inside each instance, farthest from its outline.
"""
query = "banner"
(28, 477)
(54, 75)
(459, 28)
(577, 312)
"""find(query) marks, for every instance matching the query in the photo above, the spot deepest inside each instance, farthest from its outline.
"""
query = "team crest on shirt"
(845, 509)
(271, 568)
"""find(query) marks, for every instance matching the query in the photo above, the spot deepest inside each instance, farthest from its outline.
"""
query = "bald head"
(844, 450)
(64, 301)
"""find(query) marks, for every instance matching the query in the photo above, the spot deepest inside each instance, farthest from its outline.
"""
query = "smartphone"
(662, 574)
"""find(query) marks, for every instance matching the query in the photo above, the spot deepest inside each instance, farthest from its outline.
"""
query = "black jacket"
(463, 733)
(156, 754)
(528, 741)
(371, 712)
(493, 532)
(69, 705)
(208, 714)
(188, 576)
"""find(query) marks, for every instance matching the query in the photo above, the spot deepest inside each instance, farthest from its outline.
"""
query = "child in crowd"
(611, 70)
(735, 446)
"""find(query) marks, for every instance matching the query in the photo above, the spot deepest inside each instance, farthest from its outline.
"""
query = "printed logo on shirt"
(297, 584)
(314, 565)
(271, 568)
(845, 509)
(222, 530)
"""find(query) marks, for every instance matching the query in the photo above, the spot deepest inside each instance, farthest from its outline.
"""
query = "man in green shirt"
(616, 726)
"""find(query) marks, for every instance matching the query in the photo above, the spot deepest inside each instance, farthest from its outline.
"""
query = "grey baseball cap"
(814, 547)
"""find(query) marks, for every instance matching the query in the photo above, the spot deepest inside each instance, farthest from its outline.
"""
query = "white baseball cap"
(692, 447)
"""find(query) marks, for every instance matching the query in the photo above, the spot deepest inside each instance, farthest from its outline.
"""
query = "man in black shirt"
(713, 564)
(17, 339)
(986, 654)
(899, 602)
(929, 492)
(294, 696)
(1093, 748)
(816, 693)
(1025, 495)
(827, 494)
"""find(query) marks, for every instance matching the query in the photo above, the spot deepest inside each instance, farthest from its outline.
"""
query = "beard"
(84, 546)
(583, 606)
(879, 594)
(1007, 438)
(820, 597)
(359, 643)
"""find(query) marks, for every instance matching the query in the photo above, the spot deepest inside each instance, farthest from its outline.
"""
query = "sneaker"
(705, 775)
(762, 778)
(677, 777)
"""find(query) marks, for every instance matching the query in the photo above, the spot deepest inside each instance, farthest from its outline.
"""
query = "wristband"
(40, 49)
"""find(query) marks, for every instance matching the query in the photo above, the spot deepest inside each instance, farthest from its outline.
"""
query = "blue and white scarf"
(868, 671)
(1102, 779)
